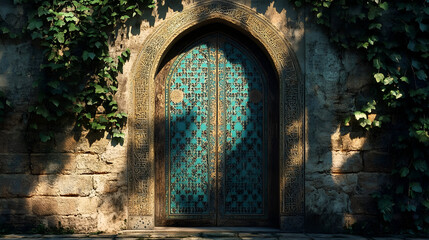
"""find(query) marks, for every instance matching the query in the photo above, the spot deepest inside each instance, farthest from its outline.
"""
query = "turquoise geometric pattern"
(216, 162)
(243, 162)
(187, 114)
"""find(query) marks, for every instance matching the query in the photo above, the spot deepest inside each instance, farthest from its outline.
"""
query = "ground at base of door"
(209, 235)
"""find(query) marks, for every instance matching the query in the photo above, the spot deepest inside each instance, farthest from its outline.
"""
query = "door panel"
(189, 93)
(215, 164)
(242, 167)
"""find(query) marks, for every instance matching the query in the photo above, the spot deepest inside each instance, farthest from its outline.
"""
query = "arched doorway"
(141, 177)
(216, 133)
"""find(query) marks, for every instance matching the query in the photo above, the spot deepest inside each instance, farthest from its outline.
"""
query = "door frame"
(141, 158)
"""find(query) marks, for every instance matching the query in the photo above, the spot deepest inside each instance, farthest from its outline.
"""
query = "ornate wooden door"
(216, 162)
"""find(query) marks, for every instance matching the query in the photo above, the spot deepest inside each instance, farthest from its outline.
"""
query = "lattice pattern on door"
(216, 160)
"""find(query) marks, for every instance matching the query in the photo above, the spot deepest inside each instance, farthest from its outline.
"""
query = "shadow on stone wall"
(83, 184)
(345, 165)
(77, 180)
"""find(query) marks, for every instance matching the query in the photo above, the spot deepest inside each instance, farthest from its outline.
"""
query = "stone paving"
(220, 235)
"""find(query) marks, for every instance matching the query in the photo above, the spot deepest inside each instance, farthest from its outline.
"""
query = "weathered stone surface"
(53, 163)
(92, 144)
(12, 143)
(17, 206)
(83, 223)
(345, 183)
(369, 183)
(318, 161)
(91, 164)
(346, 162)
(107, 183)
(14, 163)
(354, 141)
(323, 201)
(64, 185)
(375, 161)
(45, 206)
(363, 204)
(359, 77)
(19, 222)
(17, 185)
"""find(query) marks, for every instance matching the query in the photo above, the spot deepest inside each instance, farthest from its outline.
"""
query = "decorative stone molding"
(141, 174)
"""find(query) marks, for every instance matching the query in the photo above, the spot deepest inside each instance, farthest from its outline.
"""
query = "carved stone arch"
(141, 185)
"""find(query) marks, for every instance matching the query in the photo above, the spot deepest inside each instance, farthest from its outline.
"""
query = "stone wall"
(80, 179)
(344, 165)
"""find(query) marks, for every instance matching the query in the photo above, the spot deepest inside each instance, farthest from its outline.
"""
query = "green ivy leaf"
(60, 23)
(426, 204)
(416, 187)
(421, 75)
(384, 6)
(359, 115)
(420, 165)
(99, 89)
(404, 171)
(34, 24)
(377, 63)
(87, 55)
(375, 26)
(379, 77)
(73, 27)
(98, 44)
(44, 137)
(60, 37)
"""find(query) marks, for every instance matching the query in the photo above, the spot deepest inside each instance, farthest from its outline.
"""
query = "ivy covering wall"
(394, 37)
(80, 78)
(79, 75)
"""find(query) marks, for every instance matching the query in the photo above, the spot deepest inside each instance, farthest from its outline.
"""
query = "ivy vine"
(79, 73)
(394, 36)
(80, 77)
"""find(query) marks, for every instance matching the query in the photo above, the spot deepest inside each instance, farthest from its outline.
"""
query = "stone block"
(363, 204)
(106, 183)
(16, 206)
(19, 185)
(45, 206)
(359, 77)
(14, 163)
(74, 185)
(66, 141)
(354, 141)
(92, 143)
(375, 161)
(369, 183)
(14, 120)
(323, 201)
(318, 161)
(115, 157)
(80, 223)
(345, 183)
(91, 164)
(346, 162)
(64, 185)
(53, 163)
(18, 222)
(13, 142)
